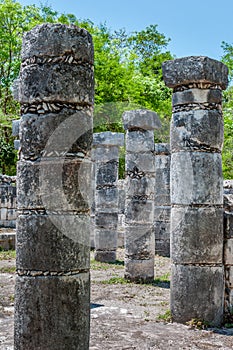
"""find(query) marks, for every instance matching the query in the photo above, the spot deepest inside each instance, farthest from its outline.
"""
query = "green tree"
(227, 58)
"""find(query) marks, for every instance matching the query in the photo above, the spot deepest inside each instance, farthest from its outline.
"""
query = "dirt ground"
(123, 315)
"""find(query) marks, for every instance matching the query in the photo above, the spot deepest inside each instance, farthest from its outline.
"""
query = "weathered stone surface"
(139, 270)
(228, 251)
(193, 180)
(197, 235)
(105, 154)
(58, 83)
(139, 242)
(106, 173)
(60, 184)
(17, 144)
(140, 141)
(106, 199)
(228, 225)
(106, 220)
(185, 70)
(137, 164)
(7, 240)
(141, 119)
(141, 187)
(202, 284)
(162, 149)
(197, 130)
(106, 240)
(162, 213)
(121, 195)
(105, 256)
(57, 40)
(52, 135)
(62, 306)
(162, 247)
(48, 243)
(108, 138)
(162, 230)
(15, 127)
(196, 96)
(139, 210)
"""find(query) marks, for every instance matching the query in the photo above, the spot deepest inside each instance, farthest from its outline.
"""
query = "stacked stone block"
(8, 203)
(106, 154)
(55, 91)
(197, 282)
(228, 249)
(162, 210)
(121, 213)
(139, 189)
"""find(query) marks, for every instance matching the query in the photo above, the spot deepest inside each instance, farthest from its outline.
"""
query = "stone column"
(197, 282)
(228, 250)
(162, 210)
(121, 214)
(106, 154)
(52, 294)
(139, 189)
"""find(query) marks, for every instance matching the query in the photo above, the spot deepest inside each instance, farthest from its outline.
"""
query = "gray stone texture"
(108, 138)
(141, 119)
(196, 178)
(228, 248)
(52, 312)
(56, 89)
(106, 157)
(57, 82)
(139, 189)
(43, 246)
(57, 40)
(162, 199)
(56, 134)
(200, 69)
(8, 202)
(197, 235)
(57, 184)
(197, 292)
(197, 283)
(196, 96)
(197, 130)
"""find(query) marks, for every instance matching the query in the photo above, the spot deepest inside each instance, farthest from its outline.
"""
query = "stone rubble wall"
(8, 204)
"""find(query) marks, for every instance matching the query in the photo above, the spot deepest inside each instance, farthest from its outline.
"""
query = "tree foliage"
(228, 114)
(128, 74)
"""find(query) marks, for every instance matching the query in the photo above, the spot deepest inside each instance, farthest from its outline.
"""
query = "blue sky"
(195, 27)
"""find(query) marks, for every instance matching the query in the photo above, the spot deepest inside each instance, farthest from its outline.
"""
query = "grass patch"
(166, 317)
(115, 280)
(7, 254)
(162, 281)
(8, 269)
(97, 265)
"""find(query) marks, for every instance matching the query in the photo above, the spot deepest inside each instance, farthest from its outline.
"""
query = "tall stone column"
(197, 282)
(52, 293)
(228, 249)
(162, 210)
(106, 154)
(139, 189)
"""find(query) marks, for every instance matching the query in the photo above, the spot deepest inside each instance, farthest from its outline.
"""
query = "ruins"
(172, 201)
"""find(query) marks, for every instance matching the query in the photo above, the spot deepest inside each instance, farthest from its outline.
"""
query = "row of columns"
(56, 88)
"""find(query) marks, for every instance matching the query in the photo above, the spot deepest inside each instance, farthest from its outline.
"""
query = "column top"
(58, 40)
(199, 69)
(108, 138)
(142, 119)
